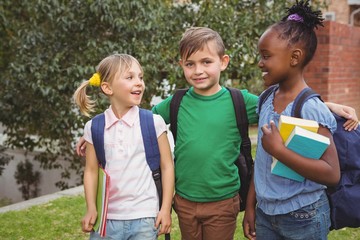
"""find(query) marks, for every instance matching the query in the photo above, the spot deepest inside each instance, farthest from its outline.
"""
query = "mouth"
(264, 73)
(136, 92)
(199, 79)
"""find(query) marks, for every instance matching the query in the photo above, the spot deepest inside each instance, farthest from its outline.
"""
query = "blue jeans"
(310, 222)
(137, 229)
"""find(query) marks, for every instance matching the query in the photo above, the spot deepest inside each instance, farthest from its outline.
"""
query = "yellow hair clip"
(95, 80)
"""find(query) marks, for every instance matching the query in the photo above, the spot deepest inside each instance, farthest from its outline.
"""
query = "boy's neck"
(207, 91)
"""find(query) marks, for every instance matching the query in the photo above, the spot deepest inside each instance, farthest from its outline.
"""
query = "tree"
(28, 179)
(49, 47)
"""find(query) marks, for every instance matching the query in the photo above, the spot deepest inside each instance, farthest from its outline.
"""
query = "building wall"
(335, 70)
(341, 9)
(10, 189)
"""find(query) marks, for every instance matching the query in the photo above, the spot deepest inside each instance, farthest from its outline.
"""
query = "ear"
(296, 57)
(181, 62)
(106, 88)
(224, 62)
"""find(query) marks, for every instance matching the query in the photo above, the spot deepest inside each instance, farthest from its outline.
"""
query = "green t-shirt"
(207, 144)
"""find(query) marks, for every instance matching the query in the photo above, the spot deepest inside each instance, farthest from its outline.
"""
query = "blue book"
(304, 142)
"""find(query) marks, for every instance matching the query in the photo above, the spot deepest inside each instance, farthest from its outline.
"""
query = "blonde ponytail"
(82, 100)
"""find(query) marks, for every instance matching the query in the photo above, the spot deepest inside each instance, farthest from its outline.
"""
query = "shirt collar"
(129, 118)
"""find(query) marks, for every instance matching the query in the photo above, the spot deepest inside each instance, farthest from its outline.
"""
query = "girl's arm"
(249, 217)
(346, 112)
(167, 179)
(90, 187)
(325, 171)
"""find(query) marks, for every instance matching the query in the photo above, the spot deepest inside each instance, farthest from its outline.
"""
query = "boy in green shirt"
(208, 140)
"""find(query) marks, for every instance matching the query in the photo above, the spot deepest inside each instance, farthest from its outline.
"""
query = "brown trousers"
(207, 221)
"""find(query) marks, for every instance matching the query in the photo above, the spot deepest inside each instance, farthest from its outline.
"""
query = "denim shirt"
(278, 195)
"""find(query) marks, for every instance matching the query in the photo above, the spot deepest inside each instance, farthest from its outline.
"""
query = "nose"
(139, 81)
(260, 63)
(198, 69)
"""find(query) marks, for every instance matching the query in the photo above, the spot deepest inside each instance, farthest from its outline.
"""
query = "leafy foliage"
(4, 158)
(49, 47)
(28, 179)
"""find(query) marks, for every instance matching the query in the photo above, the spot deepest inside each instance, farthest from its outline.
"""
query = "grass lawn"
(60, 219)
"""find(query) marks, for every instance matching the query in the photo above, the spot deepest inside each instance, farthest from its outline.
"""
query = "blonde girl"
(133, 209)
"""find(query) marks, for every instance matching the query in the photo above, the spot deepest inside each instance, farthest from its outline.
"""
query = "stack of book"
(299, 135)
(102, 199)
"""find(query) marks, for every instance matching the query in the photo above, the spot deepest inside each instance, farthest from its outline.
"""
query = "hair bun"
(302, 12)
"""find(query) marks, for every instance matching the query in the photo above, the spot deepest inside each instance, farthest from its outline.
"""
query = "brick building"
(335, 71)
(343, 11)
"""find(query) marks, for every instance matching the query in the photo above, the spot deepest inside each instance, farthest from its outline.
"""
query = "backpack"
(345, 197)
(245, 161)
(150, 144)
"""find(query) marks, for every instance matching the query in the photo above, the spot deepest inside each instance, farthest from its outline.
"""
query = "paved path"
(43, 199)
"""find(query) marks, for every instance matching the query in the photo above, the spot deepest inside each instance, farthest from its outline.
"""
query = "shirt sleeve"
(163, 109)
(315, 109)
(251, 101)
(160, 125)
(87, 132)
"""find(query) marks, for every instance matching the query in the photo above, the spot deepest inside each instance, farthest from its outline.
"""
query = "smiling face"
(276, 59)
(202, 69)
(127, 87)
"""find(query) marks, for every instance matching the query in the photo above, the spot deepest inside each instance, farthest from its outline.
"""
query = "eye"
(207, 62)
(189, 64)
(264, 56)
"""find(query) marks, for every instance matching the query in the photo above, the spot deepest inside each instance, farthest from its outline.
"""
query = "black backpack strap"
(174, 109)
(300, 99)
(265, 95)
(97, 134)
(245, 161)
(241, 121)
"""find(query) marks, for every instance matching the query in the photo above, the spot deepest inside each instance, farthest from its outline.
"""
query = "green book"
(304, 142)
(102, 199)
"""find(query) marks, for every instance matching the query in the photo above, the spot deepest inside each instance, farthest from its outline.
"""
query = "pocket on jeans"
(307, 212)
(149, 221)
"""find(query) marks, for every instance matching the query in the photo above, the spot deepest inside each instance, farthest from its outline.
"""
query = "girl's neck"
(120, 111)
(287, 93)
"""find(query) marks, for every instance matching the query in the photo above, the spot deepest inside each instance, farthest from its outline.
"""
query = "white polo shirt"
(132, 193)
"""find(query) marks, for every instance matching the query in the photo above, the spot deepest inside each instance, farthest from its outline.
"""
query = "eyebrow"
(202, 59)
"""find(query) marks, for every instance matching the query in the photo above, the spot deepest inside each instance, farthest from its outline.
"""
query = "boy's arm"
(251, 101)
(167, 179)
(346, 112)
(163, 109)
(81, 147)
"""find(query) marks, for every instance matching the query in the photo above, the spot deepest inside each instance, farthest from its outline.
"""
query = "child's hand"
(352, 122)
(249, 225)
(346, 112)
(164, 221)
(271, 139)
(88, 221)
(81, 147)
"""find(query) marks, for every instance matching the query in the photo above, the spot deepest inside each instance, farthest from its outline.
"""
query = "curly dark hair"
(301, 31)
(311, 18)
